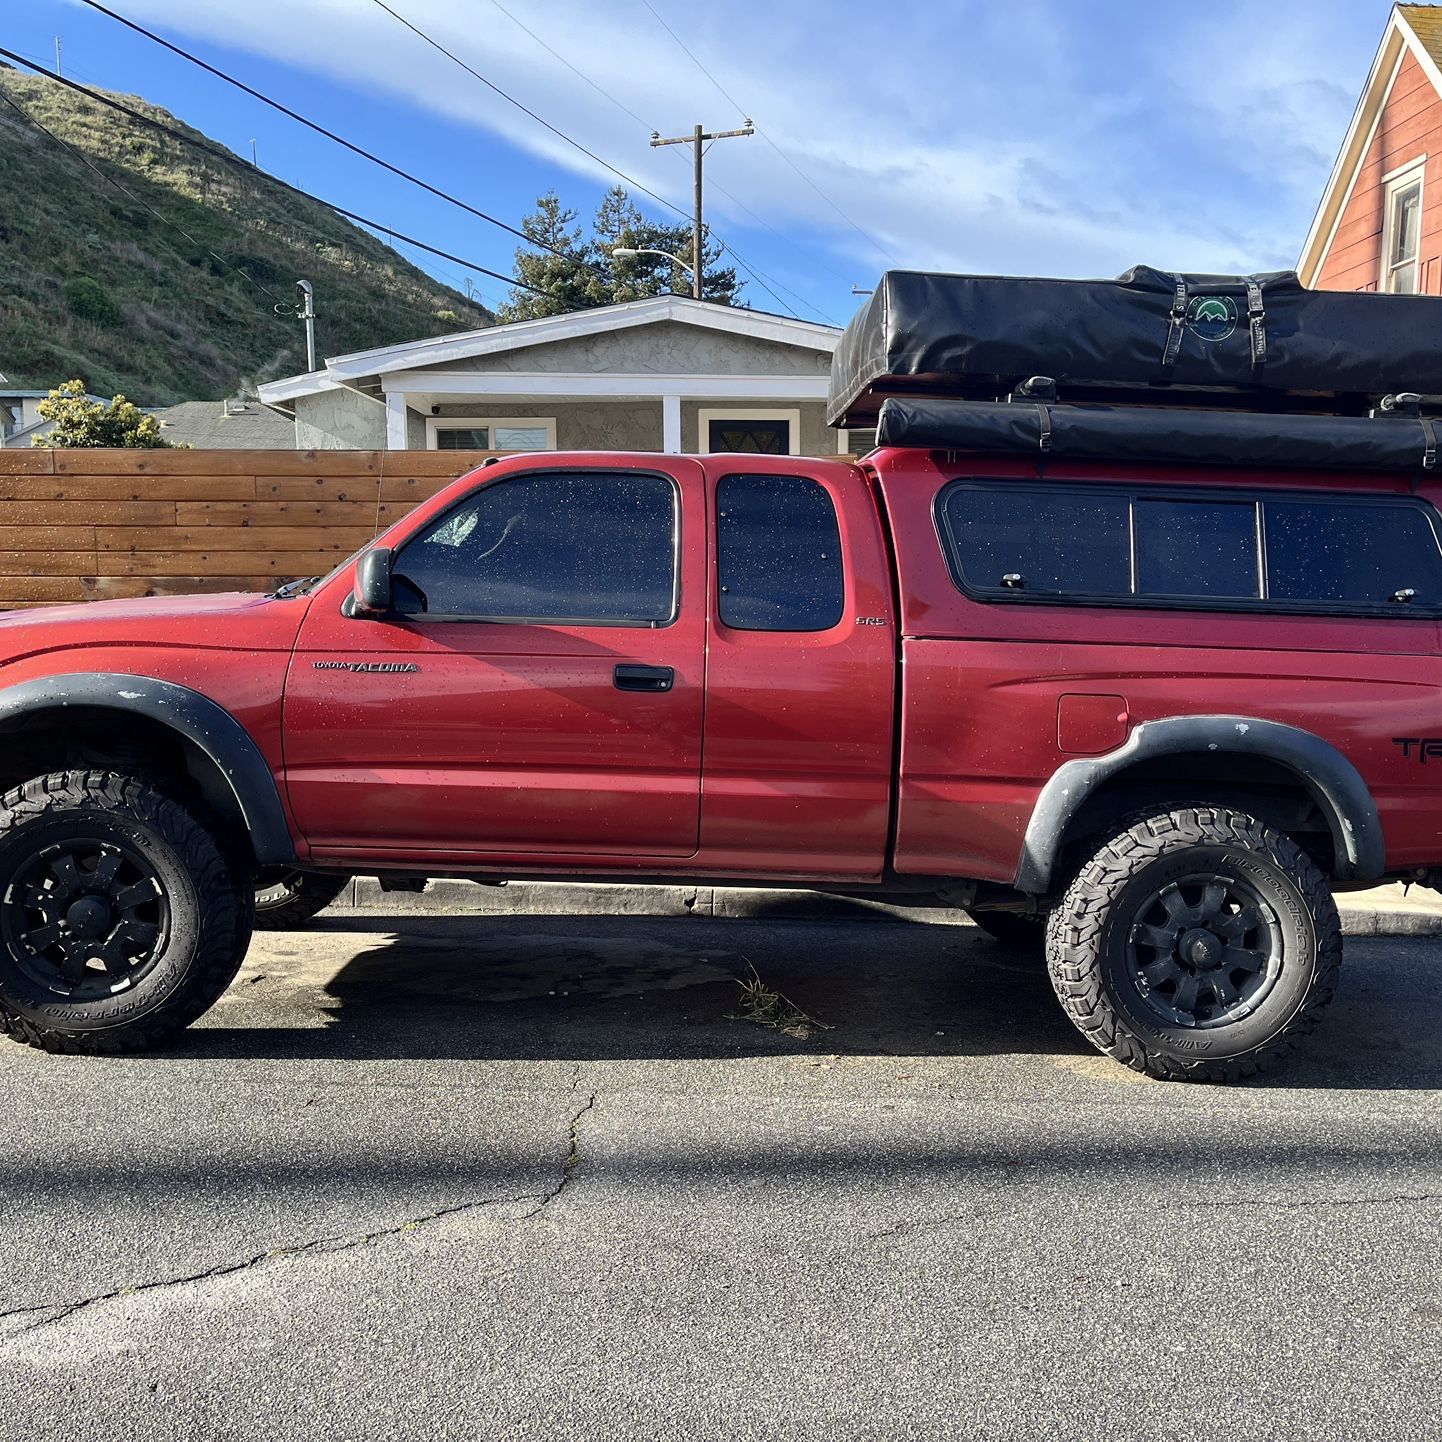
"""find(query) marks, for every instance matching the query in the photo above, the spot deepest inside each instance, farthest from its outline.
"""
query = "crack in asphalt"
(568, 1168)
(46, 1315)
(320, 1246)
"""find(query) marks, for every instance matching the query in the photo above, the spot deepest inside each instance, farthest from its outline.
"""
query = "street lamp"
(626, 252)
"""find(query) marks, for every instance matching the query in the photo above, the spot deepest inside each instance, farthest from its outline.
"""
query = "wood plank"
(215, 463)
(315, 488)
(42, 588)
(412, 490)
(435, 463)
(258, 539)
(71, 513)
(54, 538)
(287, 513)
(35, 462)
(127, 488)
(214, 563)
(122, 588)
(45, 563)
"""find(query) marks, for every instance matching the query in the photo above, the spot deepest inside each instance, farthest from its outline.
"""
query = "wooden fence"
(83, 525)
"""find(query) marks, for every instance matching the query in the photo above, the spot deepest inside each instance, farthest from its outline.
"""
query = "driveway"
(495, 1178)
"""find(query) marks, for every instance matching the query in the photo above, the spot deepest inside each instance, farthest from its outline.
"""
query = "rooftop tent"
(1262, 343)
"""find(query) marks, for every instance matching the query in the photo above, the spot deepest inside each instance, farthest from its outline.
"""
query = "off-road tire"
(1092, 955)
(207, 913)
(295, 899)
(1013, 929)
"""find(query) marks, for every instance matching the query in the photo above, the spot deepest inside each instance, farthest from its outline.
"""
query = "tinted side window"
(573, 546)
(1052, 542)
(778, 554)
(1197, 548)
(1350, 553)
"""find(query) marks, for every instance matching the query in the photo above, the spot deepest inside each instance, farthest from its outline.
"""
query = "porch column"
(395, 422)
(671, 425)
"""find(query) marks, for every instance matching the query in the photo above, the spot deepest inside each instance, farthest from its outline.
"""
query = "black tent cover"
(1262, 343)
(1154, 433)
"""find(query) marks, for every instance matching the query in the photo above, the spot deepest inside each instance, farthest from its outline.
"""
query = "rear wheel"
(1197, 945)
(290, 901)
(1012, 928)
(120, 919)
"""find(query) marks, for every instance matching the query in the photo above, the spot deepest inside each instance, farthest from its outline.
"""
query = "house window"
(491, 433)
(1402, 231)
(752, 432)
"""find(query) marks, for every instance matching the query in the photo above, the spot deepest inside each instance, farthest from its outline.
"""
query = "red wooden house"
(1379, 226)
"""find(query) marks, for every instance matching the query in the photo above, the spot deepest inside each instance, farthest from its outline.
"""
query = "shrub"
(80, 421)
(91, 301)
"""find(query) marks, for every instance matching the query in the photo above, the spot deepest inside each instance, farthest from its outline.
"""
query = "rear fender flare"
(209, 726)
(1329, 778)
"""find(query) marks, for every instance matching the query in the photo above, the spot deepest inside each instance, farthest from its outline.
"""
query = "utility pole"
(307, 314)
(58, 70)
(696, 140)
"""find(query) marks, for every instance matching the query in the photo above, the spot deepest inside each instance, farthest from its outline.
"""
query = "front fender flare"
(199, 719)
(1331, 780)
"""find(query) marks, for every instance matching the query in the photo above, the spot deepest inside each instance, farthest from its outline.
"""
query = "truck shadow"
(588, 988)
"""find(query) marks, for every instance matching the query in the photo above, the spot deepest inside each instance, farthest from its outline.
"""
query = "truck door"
(539, 692)
(802, 672)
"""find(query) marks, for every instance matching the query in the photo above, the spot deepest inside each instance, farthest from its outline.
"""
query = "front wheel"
(1197, 945)
(120, 918)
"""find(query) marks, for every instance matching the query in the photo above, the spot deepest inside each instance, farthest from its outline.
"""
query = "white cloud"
(1049, 137)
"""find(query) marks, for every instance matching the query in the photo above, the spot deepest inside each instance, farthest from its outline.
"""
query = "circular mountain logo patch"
(1212, 317)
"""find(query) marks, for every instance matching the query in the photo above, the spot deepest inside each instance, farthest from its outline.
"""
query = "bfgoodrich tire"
(292, 900)
(120, 919)
(1197, 945)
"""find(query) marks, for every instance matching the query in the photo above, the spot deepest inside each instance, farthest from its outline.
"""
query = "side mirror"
(372, 594)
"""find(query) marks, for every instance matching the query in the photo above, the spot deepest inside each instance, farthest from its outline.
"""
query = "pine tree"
(556, 267)
(588, 274)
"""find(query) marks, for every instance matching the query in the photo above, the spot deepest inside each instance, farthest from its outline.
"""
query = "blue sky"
(1066, 137)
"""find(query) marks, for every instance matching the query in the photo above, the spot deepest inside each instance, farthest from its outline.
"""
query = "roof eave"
(1397, 38)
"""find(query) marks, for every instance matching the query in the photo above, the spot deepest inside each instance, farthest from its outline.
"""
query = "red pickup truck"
(1155, 710)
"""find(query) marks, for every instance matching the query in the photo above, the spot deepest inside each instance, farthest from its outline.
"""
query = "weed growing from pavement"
(766, 1007)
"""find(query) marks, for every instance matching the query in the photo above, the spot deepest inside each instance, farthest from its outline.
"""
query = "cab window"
(577, 547)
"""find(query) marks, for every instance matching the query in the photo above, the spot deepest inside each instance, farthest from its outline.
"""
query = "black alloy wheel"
(1205, 950)
(85, 917)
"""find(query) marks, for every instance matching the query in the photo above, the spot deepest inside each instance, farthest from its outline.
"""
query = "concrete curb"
(1382, 911)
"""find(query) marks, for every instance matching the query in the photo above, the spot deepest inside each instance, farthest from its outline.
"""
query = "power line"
(655, 130)
(580, 74)
(561, 134)
(330, 134)
(124, 190)
(731, 99)
(524, 109)
(226, 157)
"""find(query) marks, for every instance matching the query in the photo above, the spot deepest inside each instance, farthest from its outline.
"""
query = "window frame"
(752, 474)
(449, 618)
(1395, 185)
(436, 424)
(1258, 496)
(706, 415)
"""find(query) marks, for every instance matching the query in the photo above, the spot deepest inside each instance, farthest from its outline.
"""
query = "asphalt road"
(497, 1178)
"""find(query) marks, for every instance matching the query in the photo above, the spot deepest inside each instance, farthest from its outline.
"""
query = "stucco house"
(663, 374)
(1379, 224)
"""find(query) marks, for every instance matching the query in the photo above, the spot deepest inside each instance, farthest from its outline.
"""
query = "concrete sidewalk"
(1380, 911)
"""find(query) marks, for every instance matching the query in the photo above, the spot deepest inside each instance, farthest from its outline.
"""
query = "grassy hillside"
(92, 285)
